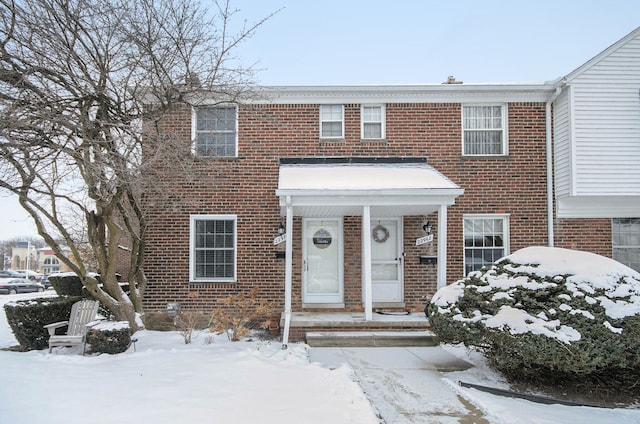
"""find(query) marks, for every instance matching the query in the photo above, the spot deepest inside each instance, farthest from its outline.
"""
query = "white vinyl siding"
(626, 241)
(331, 121)
(373, 122)
(606, 98)
(484, 130)
(562, 145)
(212, 248)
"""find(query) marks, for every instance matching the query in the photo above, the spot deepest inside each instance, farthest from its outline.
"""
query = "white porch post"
(288, 271)
(366, 263)
(442, 246)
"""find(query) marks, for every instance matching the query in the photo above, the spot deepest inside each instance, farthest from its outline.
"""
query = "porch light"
(281, 229)
(427, 227)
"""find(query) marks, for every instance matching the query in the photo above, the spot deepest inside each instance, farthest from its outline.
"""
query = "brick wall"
(246, 185)
(591, 235)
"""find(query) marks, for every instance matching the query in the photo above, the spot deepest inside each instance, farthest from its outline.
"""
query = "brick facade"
(514, 184)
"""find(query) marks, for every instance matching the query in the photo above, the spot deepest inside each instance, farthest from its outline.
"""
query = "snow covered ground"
(213, 380)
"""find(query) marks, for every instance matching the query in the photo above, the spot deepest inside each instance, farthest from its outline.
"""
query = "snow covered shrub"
(241, 313)
(548, 315)
(66, 284)
(27, 319)
(109, 337)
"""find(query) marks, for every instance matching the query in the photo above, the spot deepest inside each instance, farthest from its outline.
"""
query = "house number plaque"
(322, 239)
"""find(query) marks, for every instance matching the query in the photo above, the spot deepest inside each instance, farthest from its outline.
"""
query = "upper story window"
(484, 129)
(626, 241)
(331, 121)
(485, 240)
(373, 122)
(216, 131)
(213, 248)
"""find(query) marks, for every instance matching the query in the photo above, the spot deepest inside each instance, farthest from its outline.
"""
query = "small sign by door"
(425, 239)
(279, 239)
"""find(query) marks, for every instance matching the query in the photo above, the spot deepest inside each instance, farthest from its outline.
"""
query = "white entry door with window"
(386, 260)
(322, 261)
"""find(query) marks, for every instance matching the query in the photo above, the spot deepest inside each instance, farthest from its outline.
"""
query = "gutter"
(549, 143)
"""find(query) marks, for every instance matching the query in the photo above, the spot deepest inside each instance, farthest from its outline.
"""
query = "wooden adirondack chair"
(82, 313)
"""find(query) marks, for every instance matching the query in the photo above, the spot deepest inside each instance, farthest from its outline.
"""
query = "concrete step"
(371, 338)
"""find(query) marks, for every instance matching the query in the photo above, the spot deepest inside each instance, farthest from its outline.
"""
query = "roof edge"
(338, 160)
(604, 53)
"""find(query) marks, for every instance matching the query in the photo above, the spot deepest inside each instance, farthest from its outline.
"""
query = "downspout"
(549, 130)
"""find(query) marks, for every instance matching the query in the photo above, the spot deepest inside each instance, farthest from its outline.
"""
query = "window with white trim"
(373, 122)
(485, 240)
(625, 238)
(484, 130)
(216, 131)
(51, 264)
(331, 121)
(213, 248)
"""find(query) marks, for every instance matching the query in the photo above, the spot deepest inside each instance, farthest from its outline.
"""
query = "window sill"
(210, 282)
(374, 140)
(485, 157)
(332, 140)
(217, 158)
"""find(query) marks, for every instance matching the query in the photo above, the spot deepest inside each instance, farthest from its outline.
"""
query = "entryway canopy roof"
(341, 186)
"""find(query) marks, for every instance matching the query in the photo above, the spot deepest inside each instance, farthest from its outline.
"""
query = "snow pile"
(162, 380)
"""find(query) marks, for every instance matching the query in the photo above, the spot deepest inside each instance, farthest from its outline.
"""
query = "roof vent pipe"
(452, 80)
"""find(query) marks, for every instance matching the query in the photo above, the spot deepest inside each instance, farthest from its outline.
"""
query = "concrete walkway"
(404, 384)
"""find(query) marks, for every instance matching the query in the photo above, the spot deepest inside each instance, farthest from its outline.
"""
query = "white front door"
(322, 261)
(386, 260)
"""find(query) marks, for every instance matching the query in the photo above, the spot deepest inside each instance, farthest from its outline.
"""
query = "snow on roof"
(362, 176)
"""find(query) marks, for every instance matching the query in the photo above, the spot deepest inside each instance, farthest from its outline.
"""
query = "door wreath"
(380, 233)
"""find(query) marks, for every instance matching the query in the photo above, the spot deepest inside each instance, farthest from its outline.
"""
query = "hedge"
(27, 319)
(109, 337)
(578, 324)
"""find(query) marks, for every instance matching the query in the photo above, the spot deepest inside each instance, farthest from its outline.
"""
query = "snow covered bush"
(548, 315)
(109, 337)
(27, 319)
(66, 284)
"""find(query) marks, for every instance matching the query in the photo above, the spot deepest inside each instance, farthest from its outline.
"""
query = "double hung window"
(484, 130)
(373, 122)
(331, 121)
(216, 133)
(626, 241)
(485, 240)
(213, 248)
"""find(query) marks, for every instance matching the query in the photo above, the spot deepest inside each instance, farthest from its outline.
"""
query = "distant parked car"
(19, 285)
(46, 283)
(8, 273)
(31, 275)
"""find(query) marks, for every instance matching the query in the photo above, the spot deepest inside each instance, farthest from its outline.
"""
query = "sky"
(424, 41)
(375, 42)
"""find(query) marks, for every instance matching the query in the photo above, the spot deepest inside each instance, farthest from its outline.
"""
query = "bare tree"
(80, 81)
